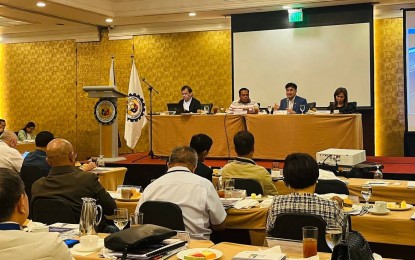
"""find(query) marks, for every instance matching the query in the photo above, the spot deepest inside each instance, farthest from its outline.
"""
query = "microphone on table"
(288, 103)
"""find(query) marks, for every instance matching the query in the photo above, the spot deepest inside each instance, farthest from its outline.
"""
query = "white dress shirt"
(195, 195)
(186, 104)
(10, 158)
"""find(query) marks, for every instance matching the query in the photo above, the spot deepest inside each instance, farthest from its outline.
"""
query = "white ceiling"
(23, 21)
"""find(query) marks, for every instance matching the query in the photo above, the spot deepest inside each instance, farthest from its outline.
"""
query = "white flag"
(136, 109)
(112, 74)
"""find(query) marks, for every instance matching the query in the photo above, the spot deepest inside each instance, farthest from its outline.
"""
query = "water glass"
(366, 192)
(206, 109)
(121, 218)
(136, 219)
(378, 173)
(333, 235)
(100, 161)
(229, 187)
(269, 109)
(310, 235)
(302, 108)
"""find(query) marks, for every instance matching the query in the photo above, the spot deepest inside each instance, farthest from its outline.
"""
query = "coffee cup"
(380, 206)
(89, 241)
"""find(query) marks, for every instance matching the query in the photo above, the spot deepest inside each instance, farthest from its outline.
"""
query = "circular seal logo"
(135, 107)
(105, 111)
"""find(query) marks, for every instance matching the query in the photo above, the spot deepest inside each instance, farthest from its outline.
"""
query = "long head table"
(276, 136)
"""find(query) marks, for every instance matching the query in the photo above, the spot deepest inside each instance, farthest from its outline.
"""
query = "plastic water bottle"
(378, 173)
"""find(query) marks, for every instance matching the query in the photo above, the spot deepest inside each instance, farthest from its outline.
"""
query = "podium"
(105, 112)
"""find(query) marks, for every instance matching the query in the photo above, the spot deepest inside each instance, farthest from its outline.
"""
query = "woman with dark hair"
(341, 102)
(300, 176)
(27, 132)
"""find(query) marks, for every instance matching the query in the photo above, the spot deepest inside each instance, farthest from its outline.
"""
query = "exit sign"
(295, 15)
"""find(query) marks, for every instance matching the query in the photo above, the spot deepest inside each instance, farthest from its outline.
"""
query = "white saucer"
(374, 212)
(80, 248)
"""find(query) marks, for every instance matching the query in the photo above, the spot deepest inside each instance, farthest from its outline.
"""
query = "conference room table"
(395, 191)
(276, 136)
(25, 147)
(110, 177)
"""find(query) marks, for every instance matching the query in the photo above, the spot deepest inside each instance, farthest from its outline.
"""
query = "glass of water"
(333, 235)
(206, 109)
(229, 187)
(302, 108)
(269, 109)
(366, 192)
(121, 218)
(378, 173)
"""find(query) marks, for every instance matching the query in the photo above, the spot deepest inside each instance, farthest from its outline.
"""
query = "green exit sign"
(295, 15)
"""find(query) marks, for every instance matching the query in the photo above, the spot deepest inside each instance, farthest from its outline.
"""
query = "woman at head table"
(27, 132)
(341, 102)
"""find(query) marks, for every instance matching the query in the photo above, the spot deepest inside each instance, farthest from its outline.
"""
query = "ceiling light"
(41, 4)
(286, 7)
(192, 14)
(109, 20)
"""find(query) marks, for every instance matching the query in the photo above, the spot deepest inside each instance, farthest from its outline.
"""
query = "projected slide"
(410, 69)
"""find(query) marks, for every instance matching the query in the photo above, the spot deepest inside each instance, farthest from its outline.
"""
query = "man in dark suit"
(293, 102)
(65, 181)
(202, 143)
(188, 103)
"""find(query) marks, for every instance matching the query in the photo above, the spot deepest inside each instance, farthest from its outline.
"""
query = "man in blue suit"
(293, 102)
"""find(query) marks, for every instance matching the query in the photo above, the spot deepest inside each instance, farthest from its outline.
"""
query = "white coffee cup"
(89, 241)
(380, 206)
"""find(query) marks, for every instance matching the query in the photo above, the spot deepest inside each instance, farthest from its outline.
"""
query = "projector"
(344, 157)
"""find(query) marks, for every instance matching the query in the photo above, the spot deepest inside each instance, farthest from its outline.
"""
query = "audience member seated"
(202, 143)
(2, 125)
(244, 167)
(293, 102)
(188, 103)
(300, 175)
(10, 158)
(67, 182)
(341, 102)
(14, 243)
(27, 132)
(38, 156)
(196, 196)
(244, 102)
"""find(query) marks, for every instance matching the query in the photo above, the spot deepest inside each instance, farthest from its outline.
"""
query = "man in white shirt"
(10, 158)
(200, 204)
(244, 102)
(14, 243)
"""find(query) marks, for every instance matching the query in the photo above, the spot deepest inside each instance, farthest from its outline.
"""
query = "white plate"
(372, 211)
(408, 206)
(80, 248)
(352, 209)
(187, 252)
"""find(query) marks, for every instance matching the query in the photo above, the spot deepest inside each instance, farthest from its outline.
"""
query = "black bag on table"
(129, 239)
(353, 246)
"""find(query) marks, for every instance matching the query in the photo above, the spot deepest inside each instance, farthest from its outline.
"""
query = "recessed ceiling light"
(109, 20)
(192, 14)
(41, 4)
(286, 7)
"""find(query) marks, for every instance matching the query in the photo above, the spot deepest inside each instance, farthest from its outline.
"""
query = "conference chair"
(49, 211)
(289, 226)
(208, 104)
(30, 174)
(311, 105)
(331, 186)
(163, 213)
(250, 185)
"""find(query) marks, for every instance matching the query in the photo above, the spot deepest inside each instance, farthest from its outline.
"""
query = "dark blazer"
(72, 184)
(194, 106)
(297, 102)
(204, 171)
(349, 108)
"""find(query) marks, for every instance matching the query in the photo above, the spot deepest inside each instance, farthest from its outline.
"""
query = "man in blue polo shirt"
(38, 156)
